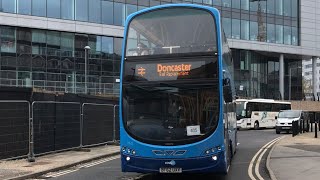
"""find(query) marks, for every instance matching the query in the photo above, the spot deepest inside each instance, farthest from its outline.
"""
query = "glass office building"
(49, 54)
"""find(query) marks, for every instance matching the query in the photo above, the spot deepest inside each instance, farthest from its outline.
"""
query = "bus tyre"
(256, 125)
(277, 131)
(231, 152)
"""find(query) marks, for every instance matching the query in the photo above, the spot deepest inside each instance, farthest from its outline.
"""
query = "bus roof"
(263, 101)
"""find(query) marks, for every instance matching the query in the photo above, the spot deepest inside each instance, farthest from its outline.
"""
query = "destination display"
(169, 71)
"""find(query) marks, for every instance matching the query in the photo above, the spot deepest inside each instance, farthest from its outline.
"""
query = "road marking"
(260, 157)
(60, 173)
(250, 173)
(98, 162)
(76, 168)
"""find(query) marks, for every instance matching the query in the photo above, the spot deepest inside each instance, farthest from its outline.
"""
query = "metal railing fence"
(56, 126)
(29, 130)
(14, 129)
(97, 124)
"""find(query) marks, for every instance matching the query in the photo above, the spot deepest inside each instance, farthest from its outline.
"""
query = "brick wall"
(306, 105)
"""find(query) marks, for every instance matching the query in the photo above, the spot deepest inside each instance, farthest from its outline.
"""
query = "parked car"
(286, 117)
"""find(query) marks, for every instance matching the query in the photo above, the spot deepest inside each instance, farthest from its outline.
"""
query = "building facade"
(42, 43)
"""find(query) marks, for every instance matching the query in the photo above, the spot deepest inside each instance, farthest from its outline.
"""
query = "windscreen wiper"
(174, 86)
(147, 90)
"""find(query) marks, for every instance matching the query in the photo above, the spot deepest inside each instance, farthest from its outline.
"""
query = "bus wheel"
(256, 125)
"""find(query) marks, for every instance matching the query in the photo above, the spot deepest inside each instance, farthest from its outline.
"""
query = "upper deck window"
(171, 31)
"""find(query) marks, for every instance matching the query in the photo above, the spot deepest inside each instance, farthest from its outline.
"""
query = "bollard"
(315, 130)
(300, 127)
(293, 128)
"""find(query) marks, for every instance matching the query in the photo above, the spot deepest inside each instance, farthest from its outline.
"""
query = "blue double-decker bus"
(177, 106)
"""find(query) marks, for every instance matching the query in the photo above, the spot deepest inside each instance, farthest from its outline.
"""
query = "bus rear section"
(171, 92)
(259, 113)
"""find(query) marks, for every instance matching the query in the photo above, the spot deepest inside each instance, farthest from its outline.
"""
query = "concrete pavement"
(295, 158)
(22, 169)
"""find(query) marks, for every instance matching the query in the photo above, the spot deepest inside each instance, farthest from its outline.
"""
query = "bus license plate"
(286, 128)
(170, 170)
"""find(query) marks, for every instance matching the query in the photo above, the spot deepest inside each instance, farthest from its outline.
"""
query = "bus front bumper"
(205, 164)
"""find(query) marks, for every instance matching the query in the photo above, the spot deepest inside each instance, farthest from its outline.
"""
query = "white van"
(285, 119)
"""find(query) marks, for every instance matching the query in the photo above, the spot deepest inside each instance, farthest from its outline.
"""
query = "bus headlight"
(214, 158)
(123, 149)
(127, 150)
(128, 158)
(209, 151)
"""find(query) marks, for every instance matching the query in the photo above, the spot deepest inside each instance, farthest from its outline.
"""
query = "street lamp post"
(86, 49)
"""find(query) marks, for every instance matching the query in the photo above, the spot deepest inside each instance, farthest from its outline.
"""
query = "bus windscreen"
(171, 31)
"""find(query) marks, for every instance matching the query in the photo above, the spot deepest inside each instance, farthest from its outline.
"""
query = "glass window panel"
(53, 9)
(67, 44)
(295, 36)
(107, 47)
(294, 10)
(226, 3)
(141, 8)
(245, 30)
(254, 5)
(39, 7)
(270, 6)
(216, 2)
(154, 3)
(279, 7)
(235, 29)
(8, 39)
(279, 34)
(24, 7)
(236, 4)
(245, 4)
(197, 1)
(130, 9)
(119, 14)
(67, 9)
(287, 35)
(23, 40)
(287, 7)
(117, 48)
(253, 31)
(107, 12)
(209, 2)
(82, 10)
(53, 43)
(95, 11)
(95, 44)
(8, 6)
(271, 37)
(38, 41)
(226, 23)
(263, 5)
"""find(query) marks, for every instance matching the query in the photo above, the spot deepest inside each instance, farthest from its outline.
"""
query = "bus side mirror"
(276, 117)
(227, 92)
